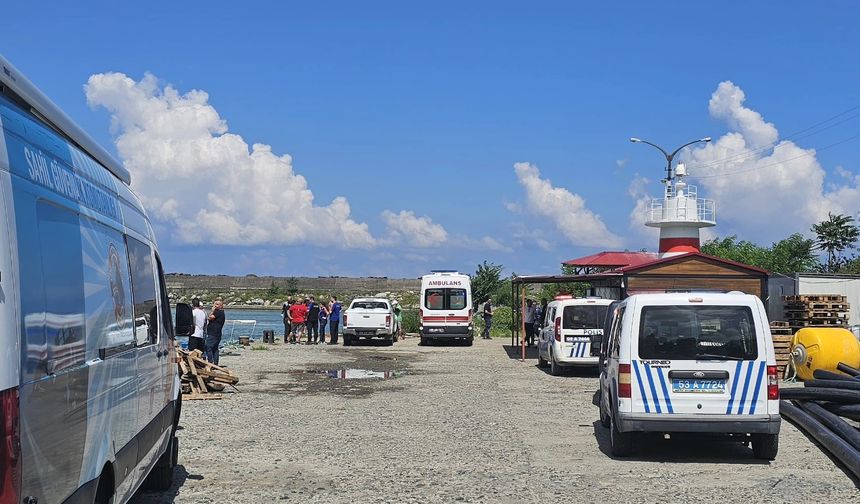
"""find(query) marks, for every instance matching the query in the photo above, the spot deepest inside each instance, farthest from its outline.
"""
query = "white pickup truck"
(369, 318)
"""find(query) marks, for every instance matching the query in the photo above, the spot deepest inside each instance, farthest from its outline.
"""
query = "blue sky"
(416, 115)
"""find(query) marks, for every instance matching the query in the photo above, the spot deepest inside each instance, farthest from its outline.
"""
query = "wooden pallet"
(200, 378)
(778, 323)
(803, 307)
(796, 314)
(831, 298)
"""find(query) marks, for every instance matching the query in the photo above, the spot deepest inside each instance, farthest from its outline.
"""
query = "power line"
(754, 168)
(796, 135)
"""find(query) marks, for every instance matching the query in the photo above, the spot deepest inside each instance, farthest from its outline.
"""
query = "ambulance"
(89, 390)
(569, 325)
(690, 362)
(445, 311)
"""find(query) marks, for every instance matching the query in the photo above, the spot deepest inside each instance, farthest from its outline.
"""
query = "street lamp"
(670, 157)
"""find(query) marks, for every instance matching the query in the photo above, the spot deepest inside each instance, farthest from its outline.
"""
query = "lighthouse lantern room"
(679, 214)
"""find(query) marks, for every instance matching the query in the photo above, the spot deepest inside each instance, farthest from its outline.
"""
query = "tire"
(604, 418)
(554, 368)
(423, 341)
(347, 340)
(104, 490)
(160, 479)
(390, 340)
(470, 341)
(765, 446)
(621, 443)
(541, 361)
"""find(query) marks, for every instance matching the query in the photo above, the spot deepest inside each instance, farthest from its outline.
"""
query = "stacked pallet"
(200, 378)
(820, 310)
(781, 334)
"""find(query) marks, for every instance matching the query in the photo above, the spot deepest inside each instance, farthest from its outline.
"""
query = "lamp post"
(670, 157)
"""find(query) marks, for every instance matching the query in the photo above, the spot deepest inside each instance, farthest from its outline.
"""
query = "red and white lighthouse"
(680, 214)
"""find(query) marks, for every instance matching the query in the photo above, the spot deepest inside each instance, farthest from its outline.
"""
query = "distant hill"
(253, 290)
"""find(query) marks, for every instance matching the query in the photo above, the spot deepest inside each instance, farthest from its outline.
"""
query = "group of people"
(307, 317)
(208, 328)
(534, 318)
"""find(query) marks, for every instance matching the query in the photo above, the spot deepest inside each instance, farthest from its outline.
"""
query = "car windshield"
(697, 333)
(370, 305)
(590, 316)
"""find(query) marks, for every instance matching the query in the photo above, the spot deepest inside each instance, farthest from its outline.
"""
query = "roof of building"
(690, 255)
(613, 259)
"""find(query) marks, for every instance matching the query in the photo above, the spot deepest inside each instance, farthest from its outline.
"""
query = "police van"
(445, 311)
(569, 324)
(89, 392)
(690, 362)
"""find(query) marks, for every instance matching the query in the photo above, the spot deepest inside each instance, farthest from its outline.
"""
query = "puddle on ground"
(350, 374)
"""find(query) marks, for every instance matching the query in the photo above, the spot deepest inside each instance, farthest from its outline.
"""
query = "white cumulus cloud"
(566, 210)
(765, 188)
(412, 230)
(207, 183)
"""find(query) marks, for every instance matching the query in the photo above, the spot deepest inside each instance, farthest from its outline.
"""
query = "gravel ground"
(454, 424)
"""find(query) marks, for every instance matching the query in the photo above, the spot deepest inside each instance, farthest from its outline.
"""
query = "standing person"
(213, 331)
(488, 318)
(530, 322)
(313, 321)
(285, 311)
(323, 321)
(334, 319)
(398, 320)
(298, 318)
(197, 340)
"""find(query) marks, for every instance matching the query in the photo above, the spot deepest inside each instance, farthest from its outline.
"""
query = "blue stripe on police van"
(653, 389)
(746, 387)
(641, 387)
(761, 367)
(573, 350)
(582, 350)
(665, 391)
(735, 379)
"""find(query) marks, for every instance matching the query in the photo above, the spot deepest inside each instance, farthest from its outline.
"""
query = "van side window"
(615, 342)
(143, 292)
(166, 317)
(63, 273)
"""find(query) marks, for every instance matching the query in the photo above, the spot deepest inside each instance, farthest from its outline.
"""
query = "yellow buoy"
(823, 348)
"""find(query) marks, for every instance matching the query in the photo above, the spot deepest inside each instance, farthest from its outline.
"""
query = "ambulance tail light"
(10, 448)
(772, 383)
(624, 381)
(421, 315)
(558, 329)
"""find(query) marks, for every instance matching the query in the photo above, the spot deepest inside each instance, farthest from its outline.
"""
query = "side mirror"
(184, 320)
(596, 343)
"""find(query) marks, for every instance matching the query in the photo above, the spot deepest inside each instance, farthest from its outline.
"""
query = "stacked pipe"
(820, 409)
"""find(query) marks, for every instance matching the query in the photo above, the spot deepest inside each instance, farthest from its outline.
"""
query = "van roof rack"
(14, 84)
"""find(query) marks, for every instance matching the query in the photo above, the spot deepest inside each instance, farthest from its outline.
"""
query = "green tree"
(487, 281)
(834, 235)
(790, 255)
(293, 286)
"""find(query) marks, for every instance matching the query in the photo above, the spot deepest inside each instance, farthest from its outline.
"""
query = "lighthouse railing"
(681, 209)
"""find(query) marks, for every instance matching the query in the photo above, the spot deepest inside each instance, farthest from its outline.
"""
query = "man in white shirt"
(196, 340)
(530, 316)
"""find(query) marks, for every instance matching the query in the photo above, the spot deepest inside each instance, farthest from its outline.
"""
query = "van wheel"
(604, 418)
(541, 361)
(554, 368)
(104, 490)
(765, 446)
(621, 443)
(161, 477)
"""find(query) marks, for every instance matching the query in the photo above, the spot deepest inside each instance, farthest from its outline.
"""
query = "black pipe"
(845, 368)
(837, 446)
(837, 384)
(821, 394)
(839, 426)
(851, 411)
(823, 374)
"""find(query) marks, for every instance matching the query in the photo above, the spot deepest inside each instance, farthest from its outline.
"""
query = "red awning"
(613, 259)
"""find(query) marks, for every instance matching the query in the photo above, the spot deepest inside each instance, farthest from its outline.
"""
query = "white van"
(569, 324)
(445, 307)
(690, 363)
(89, 391)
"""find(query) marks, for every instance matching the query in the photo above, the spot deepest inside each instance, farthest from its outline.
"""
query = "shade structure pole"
(523, 325)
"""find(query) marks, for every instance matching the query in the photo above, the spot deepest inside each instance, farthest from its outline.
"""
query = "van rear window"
(445, 299)
(697, 333)
(584, 316)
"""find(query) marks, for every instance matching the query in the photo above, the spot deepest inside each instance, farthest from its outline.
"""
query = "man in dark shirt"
(313, 321)
(213, 331)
